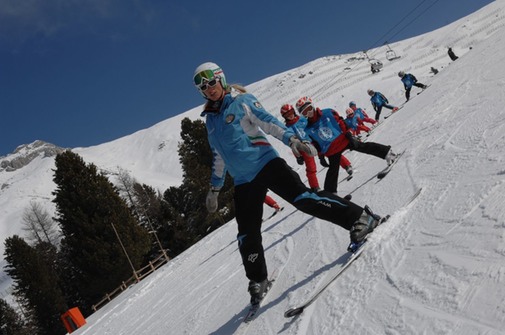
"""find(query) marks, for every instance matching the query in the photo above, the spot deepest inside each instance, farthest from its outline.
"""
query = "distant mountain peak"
(26, 153)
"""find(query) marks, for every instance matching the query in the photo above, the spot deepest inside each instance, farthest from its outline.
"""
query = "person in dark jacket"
(378, 101)
(409, 80)
(237, 125)
(452, 55)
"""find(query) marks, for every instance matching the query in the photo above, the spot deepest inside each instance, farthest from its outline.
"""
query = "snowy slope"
(435, 268)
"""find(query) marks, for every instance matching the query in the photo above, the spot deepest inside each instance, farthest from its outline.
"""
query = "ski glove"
(304, 146)
(323, 162)
(300, 160)
(211, 201)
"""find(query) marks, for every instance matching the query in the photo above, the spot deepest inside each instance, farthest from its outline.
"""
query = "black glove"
(300, 160)
(323, 161)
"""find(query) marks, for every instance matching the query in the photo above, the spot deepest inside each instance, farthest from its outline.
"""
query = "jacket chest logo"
(229, 118)
(325, 133)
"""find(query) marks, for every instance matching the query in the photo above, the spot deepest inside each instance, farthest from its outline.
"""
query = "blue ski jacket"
(298, 126)
(408, 80)
(378, 100)
(325, 130)
(359, 112)
(236, 134)
(352, 122)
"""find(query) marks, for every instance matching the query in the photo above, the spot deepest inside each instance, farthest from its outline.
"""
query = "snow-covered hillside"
(435, 268)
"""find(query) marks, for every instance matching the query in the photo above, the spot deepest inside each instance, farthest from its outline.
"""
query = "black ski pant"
(407, 90)
(281, 179)
(370, 148)
(378, 111)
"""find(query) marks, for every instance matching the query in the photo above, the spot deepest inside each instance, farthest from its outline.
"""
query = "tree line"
(101, 232)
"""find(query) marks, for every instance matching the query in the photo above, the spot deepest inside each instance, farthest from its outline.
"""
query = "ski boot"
(258, 291)
(361, 228)
(349, 170)
(390, 157)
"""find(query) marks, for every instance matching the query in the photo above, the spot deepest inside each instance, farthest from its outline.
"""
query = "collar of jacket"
(316, 116)
(292, 122)
(214, 107)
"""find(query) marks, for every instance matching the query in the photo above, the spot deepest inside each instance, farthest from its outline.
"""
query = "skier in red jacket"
(293, 120)
(331, 137)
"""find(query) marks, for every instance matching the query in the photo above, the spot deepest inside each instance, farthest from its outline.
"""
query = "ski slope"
(436, 267)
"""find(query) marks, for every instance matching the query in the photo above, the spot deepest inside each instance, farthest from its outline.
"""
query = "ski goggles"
(306, 108)
(205, 79)
(206, 85)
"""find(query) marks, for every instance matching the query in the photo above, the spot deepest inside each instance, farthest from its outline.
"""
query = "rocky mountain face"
(25, 153)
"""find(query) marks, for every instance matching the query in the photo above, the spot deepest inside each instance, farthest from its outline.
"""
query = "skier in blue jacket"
(408, 81)
(378, 101)
(236, 125)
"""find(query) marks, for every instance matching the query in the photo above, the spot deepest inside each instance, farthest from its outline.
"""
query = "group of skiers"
(236, 125)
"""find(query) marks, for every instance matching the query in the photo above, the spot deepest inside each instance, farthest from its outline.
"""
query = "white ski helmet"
(401, 74)
(207, 72)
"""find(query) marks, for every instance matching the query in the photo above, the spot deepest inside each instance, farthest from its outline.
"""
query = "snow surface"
(436, 267)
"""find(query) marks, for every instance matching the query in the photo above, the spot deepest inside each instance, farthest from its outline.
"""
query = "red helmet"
(286, 108)
(303, 102)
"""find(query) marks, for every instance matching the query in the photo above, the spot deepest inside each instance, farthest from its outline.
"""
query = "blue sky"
(81, 73)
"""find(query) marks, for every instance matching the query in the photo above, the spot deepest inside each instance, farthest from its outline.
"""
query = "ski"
(253, 309)
(273, 214)
(423, 89)
(354, 250)
(396, 111)
(374, 176)
(346, 178)
(298, 310)
(412, 97)
(384, 172)
(357, 250)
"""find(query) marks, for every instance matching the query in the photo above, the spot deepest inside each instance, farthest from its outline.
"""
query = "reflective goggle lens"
(206, 75)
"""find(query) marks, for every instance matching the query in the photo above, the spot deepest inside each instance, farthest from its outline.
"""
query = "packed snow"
(436, 267)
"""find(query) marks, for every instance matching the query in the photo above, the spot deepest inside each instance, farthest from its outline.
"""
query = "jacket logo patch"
(257, 104)
(325, 133)
(229, 119)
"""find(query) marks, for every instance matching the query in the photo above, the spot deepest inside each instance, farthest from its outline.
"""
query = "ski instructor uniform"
(237, 125)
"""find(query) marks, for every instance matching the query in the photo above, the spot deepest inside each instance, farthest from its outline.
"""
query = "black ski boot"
(361, 228)
(257, 291)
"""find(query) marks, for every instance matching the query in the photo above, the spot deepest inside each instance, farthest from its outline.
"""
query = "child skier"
(378, 101)
(408, 81)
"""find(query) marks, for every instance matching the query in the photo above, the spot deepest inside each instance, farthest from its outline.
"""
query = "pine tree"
(11, 322)
(36, 284)
(96, 225)
(187, 202)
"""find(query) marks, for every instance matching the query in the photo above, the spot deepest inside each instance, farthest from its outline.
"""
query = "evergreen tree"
(189, 216)
(11, 322)
(96, 225)
(36, 284)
